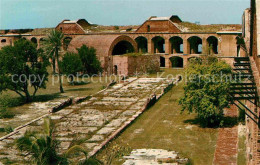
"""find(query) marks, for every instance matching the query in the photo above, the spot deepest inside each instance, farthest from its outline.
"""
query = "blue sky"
(16, 14)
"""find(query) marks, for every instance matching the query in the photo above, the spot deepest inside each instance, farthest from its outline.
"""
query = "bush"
(89, 60)
(71, 65)
(207, 93)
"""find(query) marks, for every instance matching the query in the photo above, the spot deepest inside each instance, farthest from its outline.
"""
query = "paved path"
(227, 143)
(92, 122)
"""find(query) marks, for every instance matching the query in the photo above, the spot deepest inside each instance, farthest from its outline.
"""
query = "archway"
(177, 62)
(66, 42)
(141, 44)
(213, 45)
(3, 41)
(162, 61)
(176, 45)
(34, 40)
(195, 45)
(123, 47)
(159, 44)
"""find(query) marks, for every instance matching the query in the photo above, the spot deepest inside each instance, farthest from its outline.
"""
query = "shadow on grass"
(44, 98)
(78, 89)
(227, 122)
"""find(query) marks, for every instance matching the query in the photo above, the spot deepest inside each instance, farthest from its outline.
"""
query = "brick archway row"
(178, 43)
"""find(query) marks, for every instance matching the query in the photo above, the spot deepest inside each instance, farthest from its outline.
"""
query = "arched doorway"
(176, 45)
(141, 44)
(159, 44)
(162, 61)
(195, 45)
(66, 42)
(213, 45)
(34, 40)
(123, 47)
(3, 41)
(177, 62)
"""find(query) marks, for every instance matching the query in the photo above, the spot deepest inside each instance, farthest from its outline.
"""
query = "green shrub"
(207, 91)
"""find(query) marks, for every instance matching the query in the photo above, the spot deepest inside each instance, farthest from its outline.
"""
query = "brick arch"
(158, 44)
(177, 62)
(212, 43)
(122, 38)
(142, 44)
(194, 43)
(176, 45)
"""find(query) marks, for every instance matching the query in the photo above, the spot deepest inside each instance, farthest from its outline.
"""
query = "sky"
(19, 14)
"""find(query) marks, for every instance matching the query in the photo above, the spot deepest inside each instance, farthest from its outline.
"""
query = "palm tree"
(41, 146)
(54, 43)
(87, 161)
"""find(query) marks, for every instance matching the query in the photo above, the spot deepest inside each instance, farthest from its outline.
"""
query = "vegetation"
(89, 60)
(53, 46)
(206, 91)
(16, 75)
(87, 161)
(70, 65)
(41, 146)
(163, 127)
(193, 27)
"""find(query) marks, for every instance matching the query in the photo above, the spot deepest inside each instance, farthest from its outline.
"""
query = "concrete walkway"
(94, 122)
(227, 143)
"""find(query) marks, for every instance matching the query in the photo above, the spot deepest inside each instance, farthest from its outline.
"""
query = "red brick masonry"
(227, 143)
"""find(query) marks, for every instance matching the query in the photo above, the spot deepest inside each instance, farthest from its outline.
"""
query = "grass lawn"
(51, 93)
(163, 127)
(241, 157)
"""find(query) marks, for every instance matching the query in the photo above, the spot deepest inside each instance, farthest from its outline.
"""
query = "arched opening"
(123, 47)
(177, 62)
(162, 61)
(213, 45)
(141, 44)
(176, 45)
(159, 44)
(66, 42)
(3, 41)
(195, 45)
(115, 69)
(194, 60)
(34, 40)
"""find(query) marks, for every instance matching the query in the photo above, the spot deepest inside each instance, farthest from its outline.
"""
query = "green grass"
(241, 157)
(163, 127)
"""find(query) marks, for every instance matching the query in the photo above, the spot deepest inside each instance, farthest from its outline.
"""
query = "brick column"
(167, 62)
(167, 46)
(186, 46)
(204, 46)
(150, 46)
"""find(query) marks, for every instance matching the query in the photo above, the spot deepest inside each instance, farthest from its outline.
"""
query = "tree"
(22, 65)
(206, 93)
(53, 46)
(41, 146)
(89, 60)
(70, 65)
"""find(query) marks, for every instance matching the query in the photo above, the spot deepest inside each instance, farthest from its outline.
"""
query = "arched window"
(3, 41)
